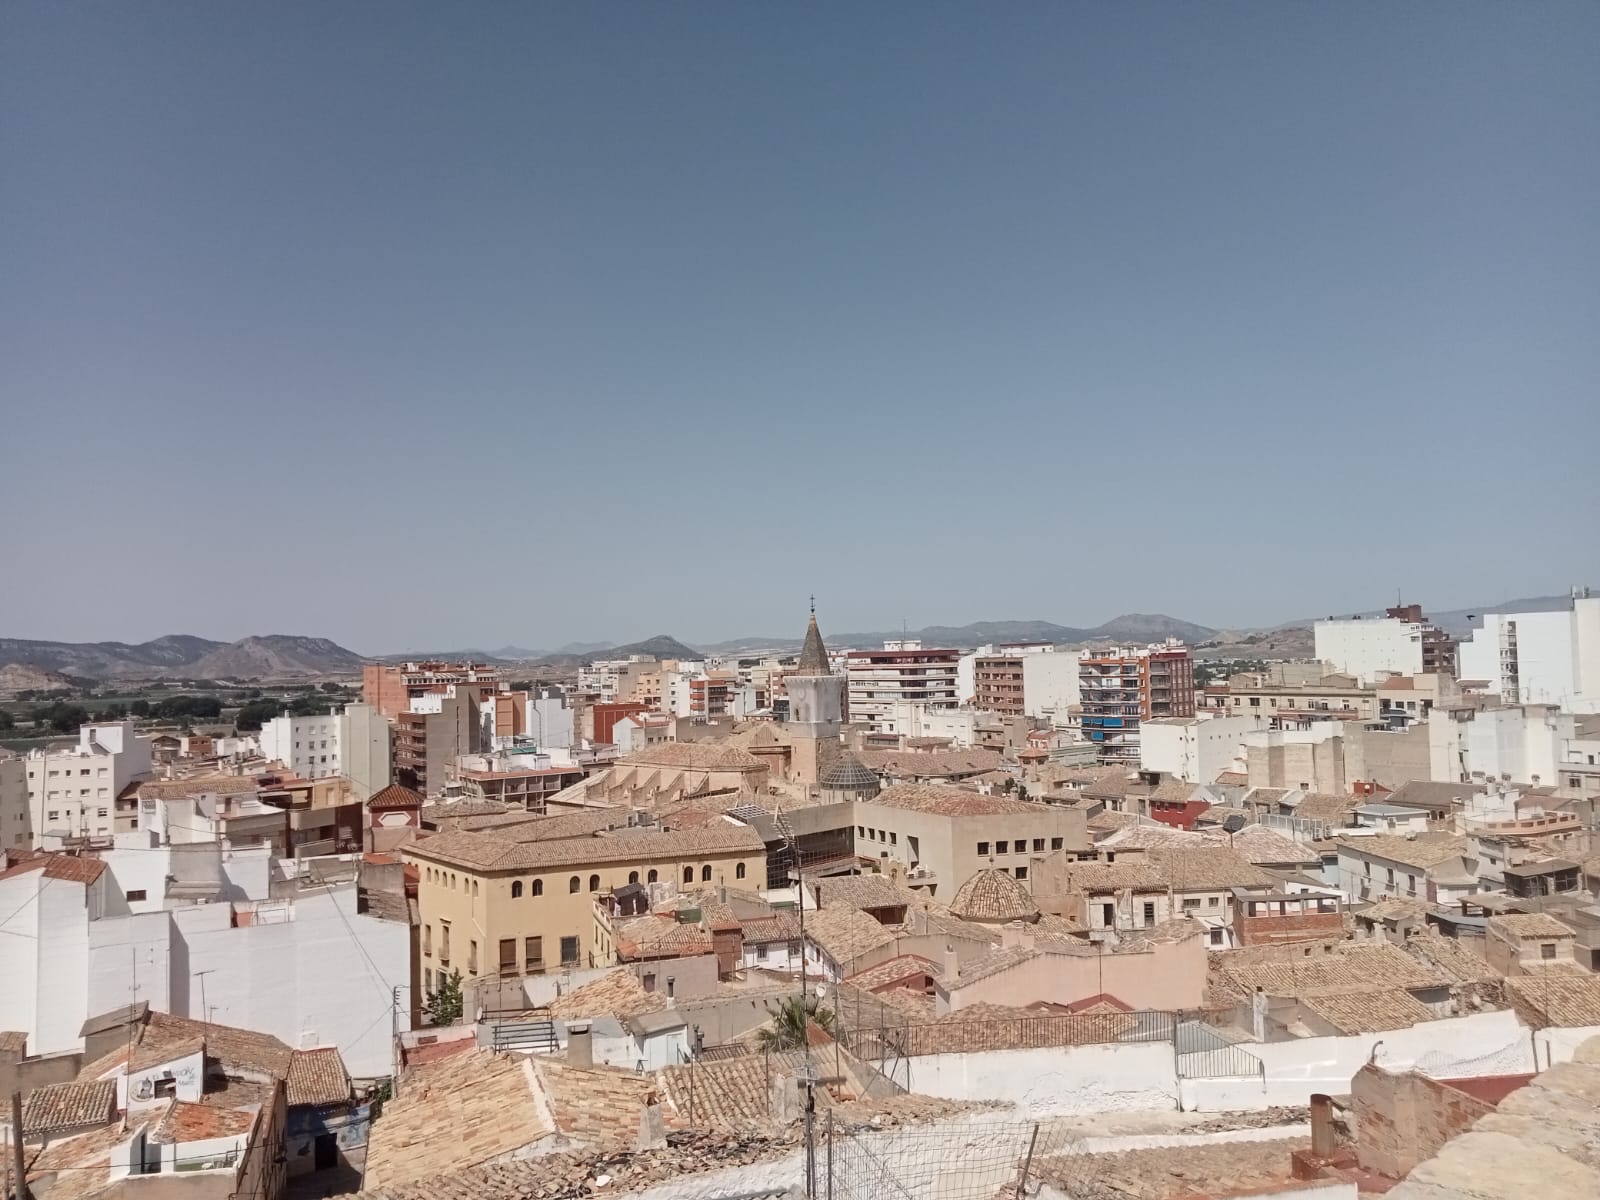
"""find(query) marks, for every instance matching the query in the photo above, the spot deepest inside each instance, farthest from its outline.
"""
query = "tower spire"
(813, 654)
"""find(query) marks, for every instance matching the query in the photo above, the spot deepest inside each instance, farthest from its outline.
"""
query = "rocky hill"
(179, 656)
(277, 656)
(15, 677)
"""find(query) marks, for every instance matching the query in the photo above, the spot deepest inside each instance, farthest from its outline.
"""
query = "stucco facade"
(527, 913)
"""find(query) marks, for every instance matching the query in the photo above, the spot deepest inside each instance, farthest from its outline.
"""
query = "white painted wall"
(1370, 648)
(1493, 1043)
(1049, 686)
(307, 980)
(1557, 654)
(1057, 1080)
(70, 789)
(133, 958)
(1195, 750)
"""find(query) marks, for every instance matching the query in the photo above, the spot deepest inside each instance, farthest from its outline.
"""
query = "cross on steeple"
(813, 604)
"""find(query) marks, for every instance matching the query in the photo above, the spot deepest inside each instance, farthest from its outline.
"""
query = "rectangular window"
(1212, 902)
(427, 940)
(444, 943)
(533, 954)
(1020, 846)
(1548, 950)
(472, 956)
(1038, 845)
(761, 953)
(1191, 903)
(1022, 872)
(983, 847)
(1000, 847)
(508, 956)
(892, 837)
(136, 895)
(1149, 914)
(1056, 843)
(569, 951)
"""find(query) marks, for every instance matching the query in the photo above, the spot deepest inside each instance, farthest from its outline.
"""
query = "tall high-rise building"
(1121, 687)
(903, 672)
(391, 688)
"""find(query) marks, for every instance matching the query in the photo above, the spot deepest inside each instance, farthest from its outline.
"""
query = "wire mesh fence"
(981, 1159)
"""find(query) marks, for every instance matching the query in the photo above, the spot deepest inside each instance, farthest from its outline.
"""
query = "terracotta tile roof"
(845, 934)
(894, 971)
(1558, 999)
(950, 801)
(1357, 968)
(1450, 957)
(1423, 851)
(196, 785)
(57, 1107)
(1369, 1012)
(931, 764)
(1255, 843)
(599, 1106)
(317, 1077)
(864, 891)
(454, 1114)
(661, 936)
(78, 1167)
(13, 1042)
(186, 1122)
(1530, 925)
(1132, 872)
(1207, 869)
(394, 796)
(781, 926)
(732, 1093)
(161, 1037)
(58, 866)
(1232, 778)
(695, 756)
(499, 852)
(1328, 806)
(1394, 908)
(993, 895)
(1440, 797)
(615, 994)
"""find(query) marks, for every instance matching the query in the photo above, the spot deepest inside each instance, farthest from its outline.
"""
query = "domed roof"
(848, 775)
(994, 896)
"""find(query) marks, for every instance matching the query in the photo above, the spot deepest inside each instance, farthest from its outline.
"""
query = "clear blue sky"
(429, 325)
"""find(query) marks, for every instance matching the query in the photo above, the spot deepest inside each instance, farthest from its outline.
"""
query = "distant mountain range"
(179, 656)
(1134, 627)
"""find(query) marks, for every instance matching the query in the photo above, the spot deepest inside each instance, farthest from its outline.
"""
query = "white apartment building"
(72, 792)
(311, 969)
(16, 823)
(549, 721)
(308, 746)
(902, 672)
(615, 679)
(1050, 688)
(1526, 744)
(366, 750)
(1370, 648)
(1540, 658)
(1195, 749)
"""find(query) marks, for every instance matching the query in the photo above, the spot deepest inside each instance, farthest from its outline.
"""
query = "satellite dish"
(1234, 823)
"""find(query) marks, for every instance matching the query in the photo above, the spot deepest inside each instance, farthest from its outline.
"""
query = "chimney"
(952, 965)
(1322, 1138)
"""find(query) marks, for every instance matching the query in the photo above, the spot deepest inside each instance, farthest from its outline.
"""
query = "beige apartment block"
(492, 904)
(945, 835)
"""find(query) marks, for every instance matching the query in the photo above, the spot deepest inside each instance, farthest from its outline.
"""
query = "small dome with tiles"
(848, 775)
(994, 897)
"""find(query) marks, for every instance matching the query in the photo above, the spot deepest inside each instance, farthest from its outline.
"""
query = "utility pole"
(394, 1036)
(18, 1165)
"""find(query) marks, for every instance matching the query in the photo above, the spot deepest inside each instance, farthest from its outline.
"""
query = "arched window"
(738, 871)
(575, 884)
(594, 883)
(705, 873)
(633, 877)
(516, 889)
(651, 878)
(538, 887)
(688, 874)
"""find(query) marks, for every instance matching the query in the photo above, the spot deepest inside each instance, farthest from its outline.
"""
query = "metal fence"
(970, 1160)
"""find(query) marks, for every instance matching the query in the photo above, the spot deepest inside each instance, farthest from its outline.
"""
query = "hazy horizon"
(428, 327)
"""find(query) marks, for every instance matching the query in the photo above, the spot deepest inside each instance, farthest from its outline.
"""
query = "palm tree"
(789, 1020)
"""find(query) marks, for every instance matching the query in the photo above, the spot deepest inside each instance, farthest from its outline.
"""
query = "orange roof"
(58, 866)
